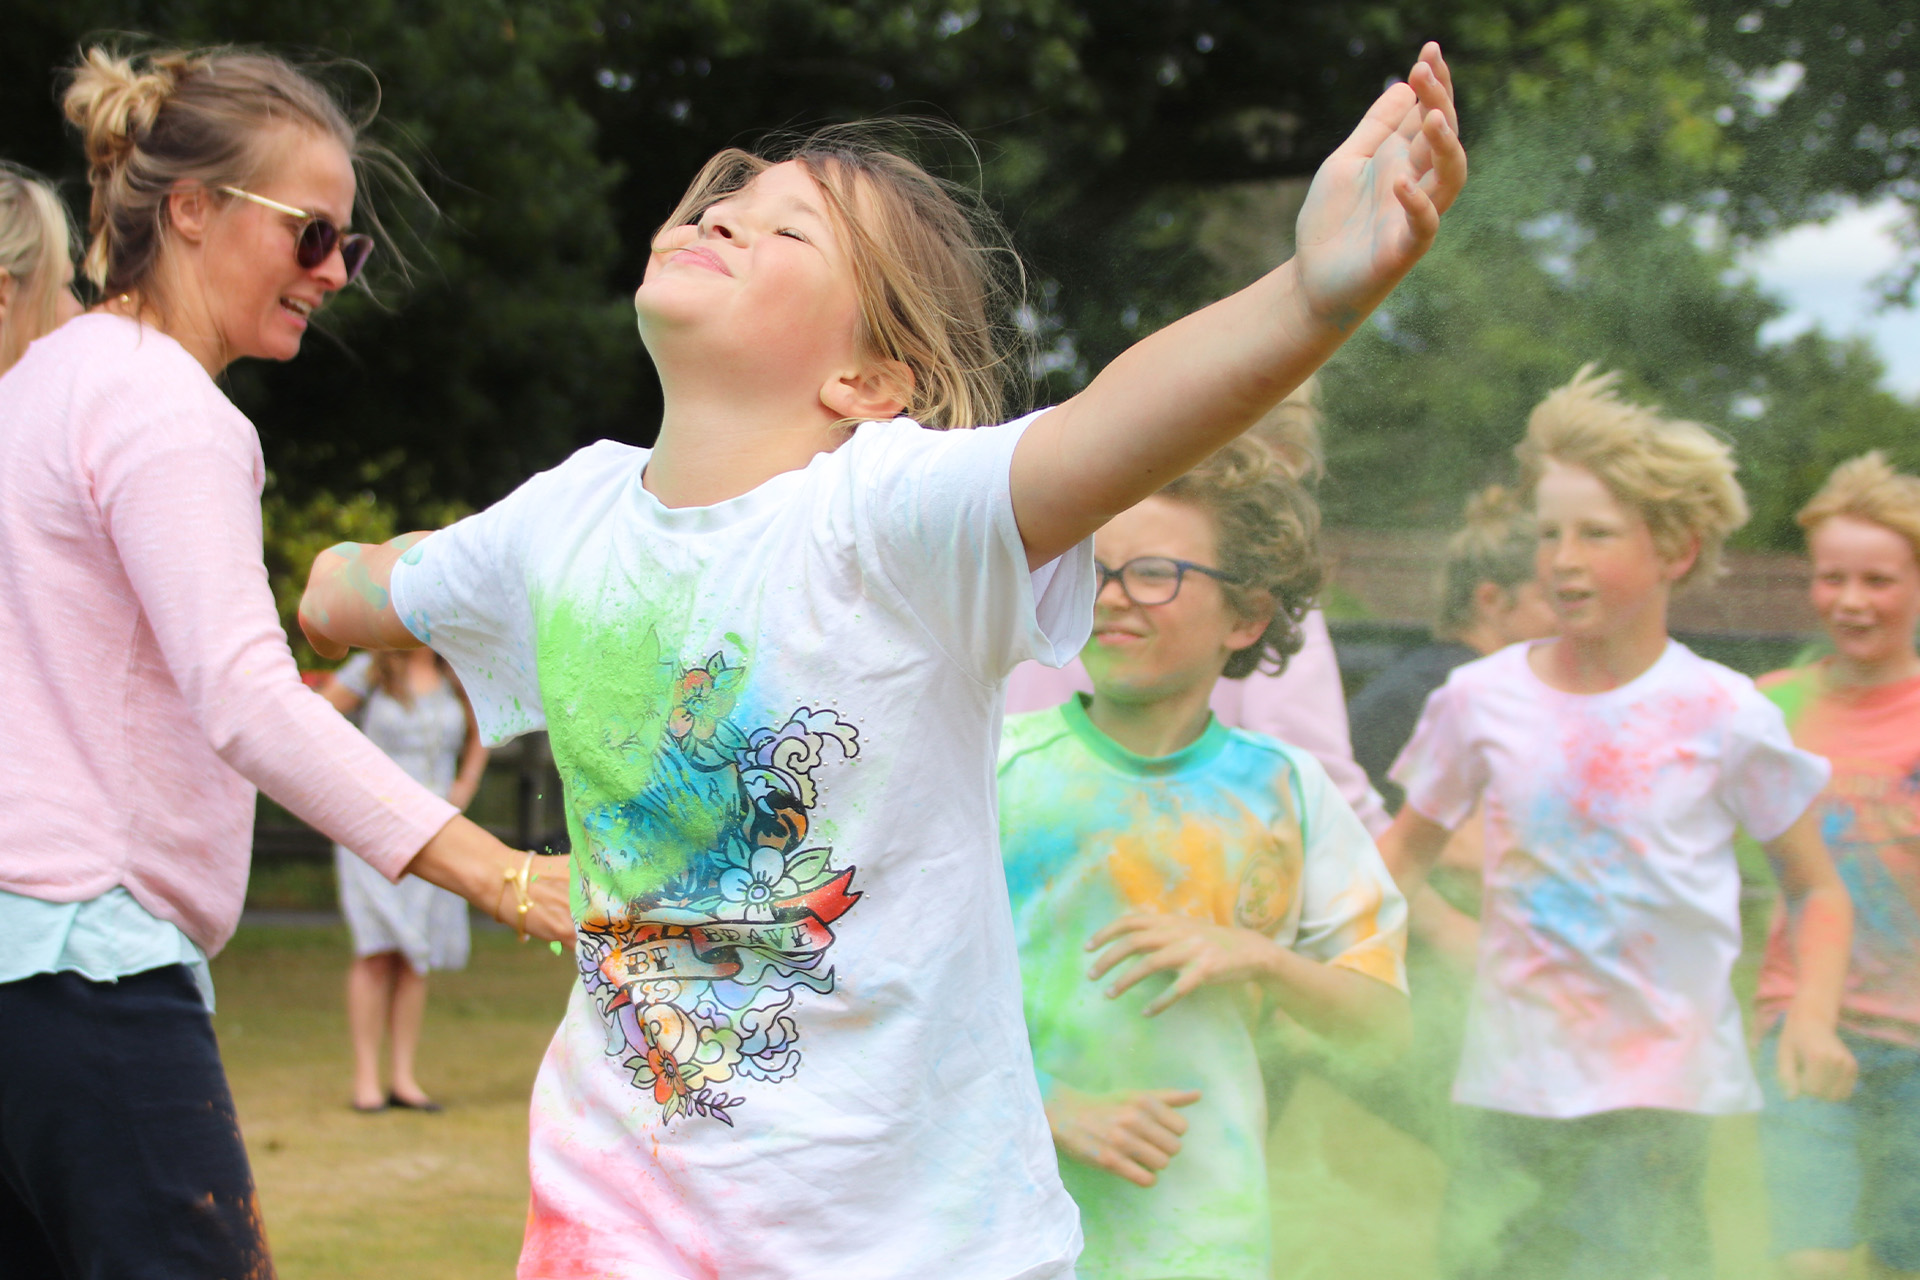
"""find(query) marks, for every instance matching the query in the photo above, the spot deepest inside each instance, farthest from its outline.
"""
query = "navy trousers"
(120, 1153)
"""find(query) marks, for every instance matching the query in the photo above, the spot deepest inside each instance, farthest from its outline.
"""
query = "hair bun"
(114, 103)
(1494, 506)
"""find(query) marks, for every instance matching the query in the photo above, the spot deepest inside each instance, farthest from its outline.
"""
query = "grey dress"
(424, 922)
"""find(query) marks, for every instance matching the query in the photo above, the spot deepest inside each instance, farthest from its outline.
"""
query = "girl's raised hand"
(1375, 205)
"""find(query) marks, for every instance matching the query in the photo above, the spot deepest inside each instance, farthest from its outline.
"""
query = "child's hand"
(1133, 1135)
(1203, 954)
(1813, 1061)
(1375, 205)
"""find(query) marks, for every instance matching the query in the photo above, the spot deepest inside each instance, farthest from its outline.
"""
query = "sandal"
(427, 1105)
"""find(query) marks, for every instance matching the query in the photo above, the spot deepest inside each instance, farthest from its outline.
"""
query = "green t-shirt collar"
(1201, 751)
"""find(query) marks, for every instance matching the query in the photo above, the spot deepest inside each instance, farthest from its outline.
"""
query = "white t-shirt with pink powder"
(797, 1048)
(1611, 921)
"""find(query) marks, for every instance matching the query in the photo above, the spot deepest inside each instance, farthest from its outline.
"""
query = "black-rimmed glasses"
(1150, 580)
(318, 237)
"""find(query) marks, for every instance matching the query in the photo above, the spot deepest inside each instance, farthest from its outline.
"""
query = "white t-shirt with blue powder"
(1610, 922)
(797, 1047)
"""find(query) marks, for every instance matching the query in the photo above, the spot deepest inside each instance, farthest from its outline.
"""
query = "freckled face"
(1143, 653)
(763, 274)
(261, 295)
(1597, 562)
(1866, 588)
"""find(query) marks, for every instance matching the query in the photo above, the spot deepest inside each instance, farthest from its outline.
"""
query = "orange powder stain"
(1381, 963)
(1175, 868)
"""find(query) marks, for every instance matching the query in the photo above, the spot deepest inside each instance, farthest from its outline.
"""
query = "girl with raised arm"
(770, 653)
(149, 685)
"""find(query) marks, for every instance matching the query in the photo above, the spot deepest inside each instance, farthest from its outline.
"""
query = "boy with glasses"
(1216, 873)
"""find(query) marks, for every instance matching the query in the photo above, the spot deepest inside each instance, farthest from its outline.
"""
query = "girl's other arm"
(338, 696)
(1410, 847)
(1175, 397)
(1813, 1060)
(1444, 927)
(473, 762)
(348, 604)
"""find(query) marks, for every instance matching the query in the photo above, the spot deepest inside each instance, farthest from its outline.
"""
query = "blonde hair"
(938, 280)
(1291, 430)
(201, 116)
(1868, 488)
(1496, 545)
(35, 241)
(1267, 543)
(1677, 475)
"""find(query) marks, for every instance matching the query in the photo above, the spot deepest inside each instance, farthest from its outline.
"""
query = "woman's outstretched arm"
(1175, 397)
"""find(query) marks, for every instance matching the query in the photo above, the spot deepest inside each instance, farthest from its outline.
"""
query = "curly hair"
(1267, 532)
(1868, 488)
(1677, 475)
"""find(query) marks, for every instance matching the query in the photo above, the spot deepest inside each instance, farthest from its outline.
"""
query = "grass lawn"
(396, 1194)
(432, 1197)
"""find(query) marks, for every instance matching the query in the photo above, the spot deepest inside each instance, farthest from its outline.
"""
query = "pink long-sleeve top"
(148, 686)
(1302, 706)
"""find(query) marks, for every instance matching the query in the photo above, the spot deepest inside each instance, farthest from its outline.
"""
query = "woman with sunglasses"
(149, 685)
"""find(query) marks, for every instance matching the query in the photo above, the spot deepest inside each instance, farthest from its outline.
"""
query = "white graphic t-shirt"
(1610, 921)
(797, 1047)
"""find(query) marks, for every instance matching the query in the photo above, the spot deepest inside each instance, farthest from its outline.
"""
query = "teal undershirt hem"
(102, 939)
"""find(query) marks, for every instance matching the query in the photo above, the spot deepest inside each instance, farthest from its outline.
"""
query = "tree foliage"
(1617, 146)
(504, 347)
(1600, 225)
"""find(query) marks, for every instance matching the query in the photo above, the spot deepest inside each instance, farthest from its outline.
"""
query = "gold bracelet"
(521, 881)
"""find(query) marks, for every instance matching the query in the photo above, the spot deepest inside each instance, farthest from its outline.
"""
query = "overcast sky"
(1825, 272)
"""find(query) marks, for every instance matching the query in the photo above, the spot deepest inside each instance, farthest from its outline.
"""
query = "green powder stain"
(643, 743)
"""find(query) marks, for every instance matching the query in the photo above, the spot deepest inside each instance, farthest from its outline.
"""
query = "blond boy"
(1614, 767)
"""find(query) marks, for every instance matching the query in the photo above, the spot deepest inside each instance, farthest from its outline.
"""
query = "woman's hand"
(1132, 1135)
(1375, 205)
(1814, 1061)
(1201, 954)
(551, 917)
(466, 858)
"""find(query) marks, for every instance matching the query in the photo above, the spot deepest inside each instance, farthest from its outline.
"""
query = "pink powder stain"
(633, 1218)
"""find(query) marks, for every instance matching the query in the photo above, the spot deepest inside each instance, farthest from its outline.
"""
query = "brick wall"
(1392, 575)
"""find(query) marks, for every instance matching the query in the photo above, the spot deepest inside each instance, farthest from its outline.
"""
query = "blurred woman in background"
(36, 263)
(411, 707)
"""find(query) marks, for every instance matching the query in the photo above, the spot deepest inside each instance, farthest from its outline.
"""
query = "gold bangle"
(521, 881)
